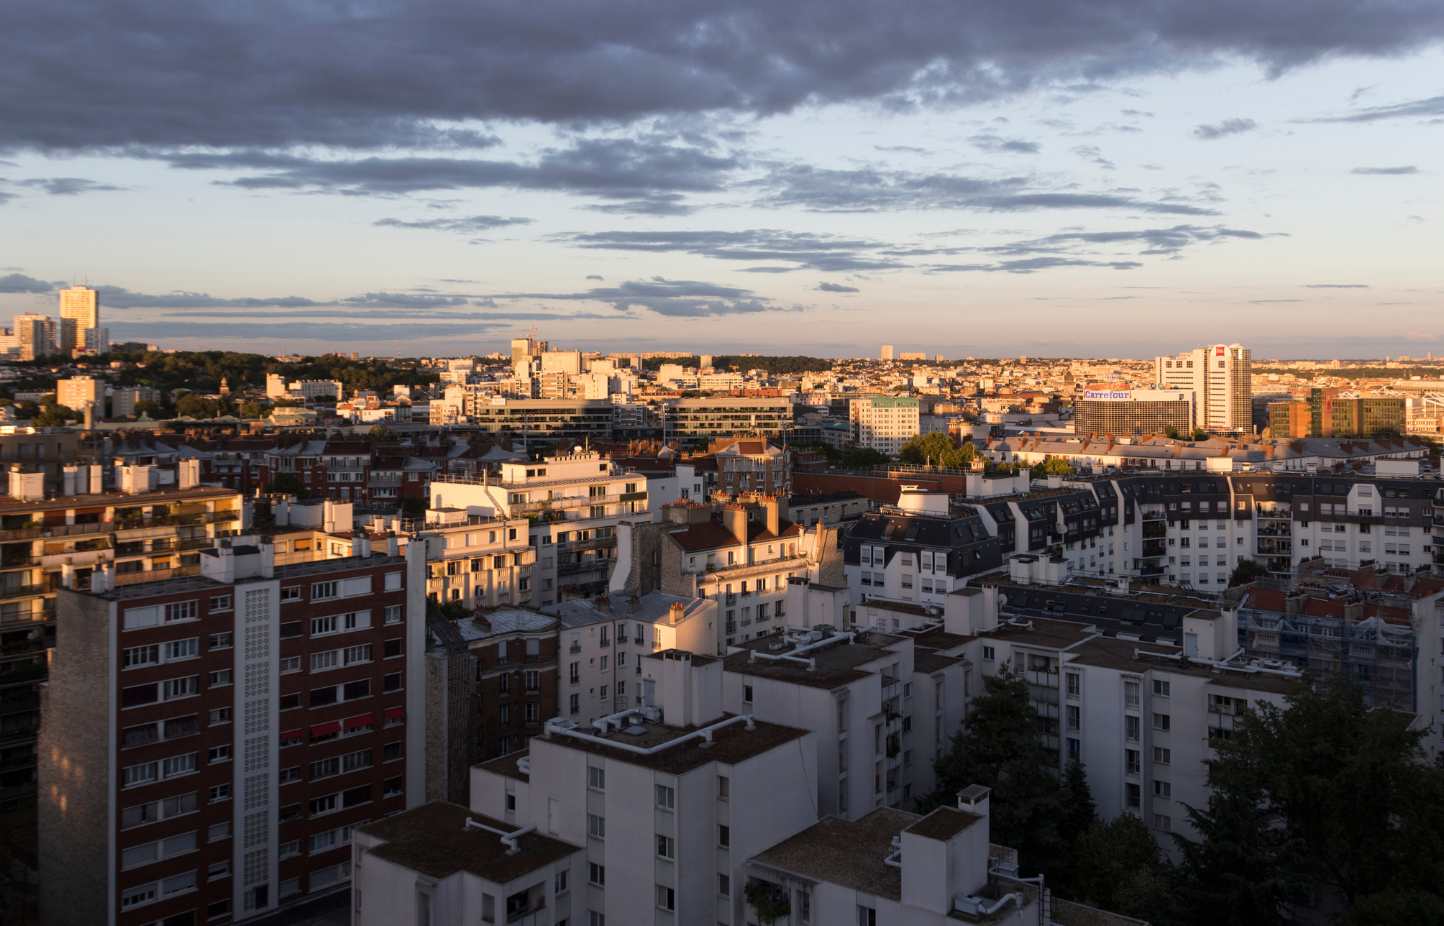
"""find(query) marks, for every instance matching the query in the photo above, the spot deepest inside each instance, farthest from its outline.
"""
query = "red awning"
(395, 713)
(359, 721)
(292, 735)
(321, 730)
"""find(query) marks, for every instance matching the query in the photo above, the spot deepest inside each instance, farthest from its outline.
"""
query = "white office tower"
(80, 320)
(1221, 380)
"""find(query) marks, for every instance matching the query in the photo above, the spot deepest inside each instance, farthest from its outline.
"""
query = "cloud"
(20, 283)
(871, 189)
(675, 298)
(322, 331)
(1094, 154)
(901, 149)
(1398, 171)
(1223, 129)
(800, 250)
(470, 224)
(1336, 286)
(1410, 109)
(594, 276)
(1151, 241)
(68, 186)
(998, 144)
(826, 287)
(94, 74)
(644, 172)
(1033, 265)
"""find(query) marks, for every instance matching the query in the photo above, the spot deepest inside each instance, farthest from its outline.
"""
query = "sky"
(1051, 178)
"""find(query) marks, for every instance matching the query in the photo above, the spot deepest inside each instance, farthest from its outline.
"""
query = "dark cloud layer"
(20, 283)
(825, 287)
(1395, 171)
(676, 298)
(87, 74)
(1223, 129)
(798, 249)
(1427, 108)
(470, 224)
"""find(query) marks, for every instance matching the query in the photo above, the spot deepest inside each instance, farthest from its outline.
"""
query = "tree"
(1052, 466)
(288, 483)
(999, 747)
(1171, 433)
(195, 406)
(1246, 571)
(1199, 434)
(1118, 867)
(53, 415)
(937, 449)
(1324, 803)
(1076, 815)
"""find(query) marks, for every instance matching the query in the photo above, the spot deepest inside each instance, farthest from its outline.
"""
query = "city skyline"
(1110, 185)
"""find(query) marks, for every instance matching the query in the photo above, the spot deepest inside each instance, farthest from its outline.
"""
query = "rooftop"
(847, 853)
(9, 505)
(435, 840)
(730, 744)
(943, 823)
(833, 666)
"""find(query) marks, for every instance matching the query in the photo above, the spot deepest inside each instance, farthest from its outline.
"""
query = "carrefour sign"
(1115, 394)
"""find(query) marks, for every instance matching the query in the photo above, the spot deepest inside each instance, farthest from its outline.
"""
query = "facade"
(603, 642)
(574, 503)
(553, 420)
(1334, 413)
(1120, 411)
(78, 392)
(884, 423)
(918, 550)
(47, 542)
(218, 737)
(34, 335)
(80, 321)
(668, 802)
(475, 561)
(491, 681)
(1220, 377)
(752, 466)
(697, 421)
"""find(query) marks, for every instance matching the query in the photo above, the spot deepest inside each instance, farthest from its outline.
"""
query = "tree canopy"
(938, 449)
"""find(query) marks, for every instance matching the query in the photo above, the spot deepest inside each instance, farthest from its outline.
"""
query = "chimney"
(96, 479)
(26, 487)
(676, 612)
(772, 507)
(975, 799)
(361, 545)
(393, 546)
(267, 563)
(734, 518)
(188, 474)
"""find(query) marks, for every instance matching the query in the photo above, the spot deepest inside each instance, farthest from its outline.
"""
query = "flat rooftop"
(434, 839)
(282, 573)
(730, 745)
(10, 506)
(849, 853)
(833, 666)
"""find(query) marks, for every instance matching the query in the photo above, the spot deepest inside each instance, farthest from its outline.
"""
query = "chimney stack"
(772, 507)
(734, 518)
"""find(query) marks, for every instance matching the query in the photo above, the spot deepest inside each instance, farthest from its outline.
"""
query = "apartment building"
(80, 321)
(574, 501)
(551, 420)
(894, 867)
(1120, 411)
(604, 639)
(698, 421)
(752, 467)
(918, 550)
(80, 392)
(223, 734)
(46, 541)
(884, 423)
(1220, 377)
(443, 865)
(35, 335)
(742, 556)
(476, 561)
(491, 681)
(855, 692)
(668, 802)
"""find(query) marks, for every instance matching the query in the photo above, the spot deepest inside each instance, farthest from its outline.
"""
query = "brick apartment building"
(223, 733)
(492, 682)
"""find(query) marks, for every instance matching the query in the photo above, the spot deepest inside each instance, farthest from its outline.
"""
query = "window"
(988, 656)
(1161, 687)
(221, 603)
(392, 614)
(219, 641)
(596, 874)
(1163, 789)
(1162, 755)
(290, 593)
(866, 916)
(666, 797)
(666, 897)
(724, 885)
(175, 766)
(175, 688)
(1161, 722)
(138, 656)
(596, 778)
(1131, 727)
(391, 648)
(724, 787)
(560, 884)
(219, 678)
(724, 836)
(747, 694)
(393, 582)
(1075, 684)
(596, 826)
(219, 831)
(220, 753)
(320, 591)
(178, 611)
(666, 847)
(219, 793)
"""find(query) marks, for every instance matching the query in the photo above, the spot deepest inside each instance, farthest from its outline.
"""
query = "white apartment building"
(77, 392)
(894, 868)
(1221, 379)
(476, 561)
(442, 865)
(574, 503)
(80, 320)
(918, 550)
(34, 335)
(884, 423)
(603, 641)
(669, 801)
